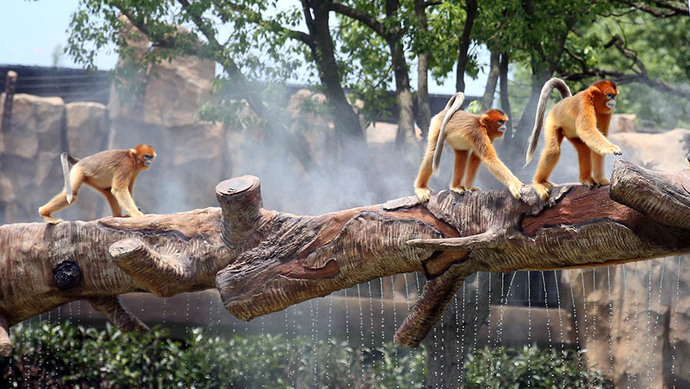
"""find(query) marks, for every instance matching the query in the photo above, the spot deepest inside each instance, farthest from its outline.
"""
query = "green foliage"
(72, 356)
(530, 367)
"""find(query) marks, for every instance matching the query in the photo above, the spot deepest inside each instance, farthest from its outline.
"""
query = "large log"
(264, 261)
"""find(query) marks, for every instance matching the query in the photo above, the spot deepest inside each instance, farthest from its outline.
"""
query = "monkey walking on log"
(584, 120)
(111, 172)
(470, 136)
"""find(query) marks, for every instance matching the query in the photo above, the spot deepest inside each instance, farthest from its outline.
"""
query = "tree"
(97, 24)
(386, 22)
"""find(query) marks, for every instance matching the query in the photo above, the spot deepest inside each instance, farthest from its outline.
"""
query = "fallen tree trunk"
(264, 261)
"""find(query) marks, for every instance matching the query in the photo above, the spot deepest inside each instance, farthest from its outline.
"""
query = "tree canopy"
(351, 49)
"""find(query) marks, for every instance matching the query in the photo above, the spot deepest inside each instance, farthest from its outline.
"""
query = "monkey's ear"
(484, 119)
(133, 151)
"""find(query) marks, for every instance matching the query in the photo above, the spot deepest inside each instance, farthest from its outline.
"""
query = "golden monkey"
(111, 172)
(584, 120)
(470, 136)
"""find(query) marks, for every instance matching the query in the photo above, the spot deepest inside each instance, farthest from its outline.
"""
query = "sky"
(32, 30)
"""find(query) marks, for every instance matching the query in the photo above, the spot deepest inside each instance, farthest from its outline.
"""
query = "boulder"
(30, 150)
(623, 122)
(86, 126)
(167, 93)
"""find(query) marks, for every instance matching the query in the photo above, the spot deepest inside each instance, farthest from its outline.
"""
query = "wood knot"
(67, 275)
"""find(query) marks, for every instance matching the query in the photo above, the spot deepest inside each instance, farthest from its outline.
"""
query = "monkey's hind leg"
(549, 158)
(584, 159)
(59, 202)
(112, 201)
(421, 189)
(459, 171)
(472, 167)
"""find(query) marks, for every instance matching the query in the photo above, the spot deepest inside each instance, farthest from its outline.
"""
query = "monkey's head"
(494, 121)
(144, 155)
(605, 92)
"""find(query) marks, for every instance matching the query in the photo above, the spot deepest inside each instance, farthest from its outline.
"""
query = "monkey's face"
(495, 122)
(606, 95)
(145, 155)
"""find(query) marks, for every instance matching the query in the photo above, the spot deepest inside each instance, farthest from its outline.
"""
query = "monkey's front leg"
(125, 199)
(598, 168)
(501, 171)
(593, 137)
(459, 171)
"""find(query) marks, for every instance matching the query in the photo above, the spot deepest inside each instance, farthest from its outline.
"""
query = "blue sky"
(30, 31)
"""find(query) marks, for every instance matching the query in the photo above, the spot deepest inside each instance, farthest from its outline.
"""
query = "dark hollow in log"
(264, 261)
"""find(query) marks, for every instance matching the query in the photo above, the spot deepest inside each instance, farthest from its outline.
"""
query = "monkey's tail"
(453, 106)
(65, 160)
(554, 83)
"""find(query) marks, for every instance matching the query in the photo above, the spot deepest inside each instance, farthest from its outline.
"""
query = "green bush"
(530, 367)
(72, 356)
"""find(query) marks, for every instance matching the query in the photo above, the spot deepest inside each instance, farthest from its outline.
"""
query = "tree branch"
(256, 18)
(673, 8)
(361, 17)
(264, 261)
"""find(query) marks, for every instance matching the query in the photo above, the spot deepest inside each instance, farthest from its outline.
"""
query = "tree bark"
(10, 86)
(471, 9)
(263, 261)
(423, 108)
(345, 120)
(491, 80)
(503, 85)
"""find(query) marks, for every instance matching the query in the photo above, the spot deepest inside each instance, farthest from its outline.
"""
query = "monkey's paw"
(613, 149)
(602, 181)
(542, 190)
(423, 194)
(472, 189)
(458, 189)
(52, 220)
(588, 181)
(515, 189)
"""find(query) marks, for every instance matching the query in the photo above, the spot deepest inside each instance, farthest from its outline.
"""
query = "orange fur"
(470, 136)
(584, 120)
(111, 172)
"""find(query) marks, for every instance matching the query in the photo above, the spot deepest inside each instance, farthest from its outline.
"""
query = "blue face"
(148, 160)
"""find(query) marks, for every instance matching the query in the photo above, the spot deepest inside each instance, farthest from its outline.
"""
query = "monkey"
(111, 172)
(584, 120)
(470, 136)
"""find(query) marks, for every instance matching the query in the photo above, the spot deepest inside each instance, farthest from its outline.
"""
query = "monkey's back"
(565, 113)
(458, 128)
(104, 165)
